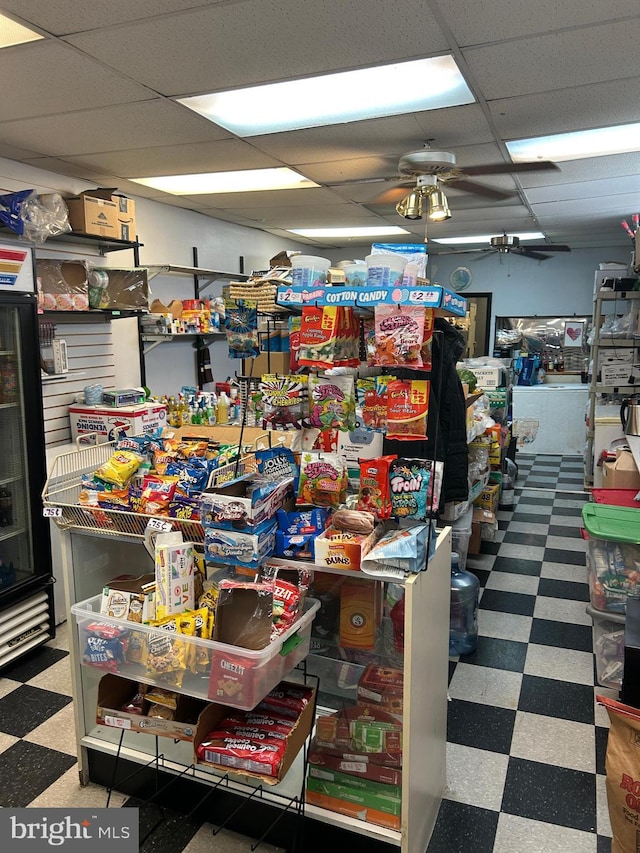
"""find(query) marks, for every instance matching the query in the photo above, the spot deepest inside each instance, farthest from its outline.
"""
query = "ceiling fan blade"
(479, 189)
(508, 168)
(536, 256)
(551, 247)
(391, 196)
(487, 253)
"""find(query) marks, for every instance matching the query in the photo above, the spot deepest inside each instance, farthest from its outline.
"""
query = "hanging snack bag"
(295, 324)
(374, 495)
(332, 403)
(374, 401)
(284, 401)
(427, 338)
(318, 336)
(399, 335)
(369, 331)
(241, 325)
(407, 409)
(414, 485)
(323, 480)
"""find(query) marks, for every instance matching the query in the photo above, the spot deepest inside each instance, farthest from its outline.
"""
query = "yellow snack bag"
(166, 653)
(120, 467)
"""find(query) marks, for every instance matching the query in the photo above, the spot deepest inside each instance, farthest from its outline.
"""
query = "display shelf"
(200, 338)
(103, 315)
(618, 342)
(195, 272)
(8, 405)
(612, 295)
(63, 377)
(16, 531)
(105, 244)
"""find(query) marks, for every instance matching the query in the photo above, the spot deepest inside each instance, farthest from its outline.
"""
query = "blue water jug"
(463, 621)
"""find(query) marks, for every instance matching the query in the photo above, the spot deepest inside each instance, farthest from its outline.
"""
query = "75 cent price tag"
(159, 524)
(52, 512)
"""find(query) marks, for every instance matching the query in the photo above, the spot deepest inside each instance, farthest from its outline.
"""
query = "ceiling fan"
(506, 244)
(425, 169)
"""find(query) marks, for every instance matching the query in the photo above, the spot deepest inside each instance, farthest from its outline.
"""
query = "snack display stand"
(98, 543)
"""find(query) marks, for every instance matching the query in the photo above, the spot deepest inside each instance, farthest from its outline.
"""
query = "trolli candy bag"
(414, 486)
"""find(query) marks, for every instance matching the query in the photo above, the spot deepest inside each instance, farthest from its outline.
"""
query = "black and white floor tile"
(526, 740)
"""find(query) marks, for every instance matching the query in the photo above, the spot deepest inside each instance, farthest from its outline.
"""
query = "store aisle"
(526, 741)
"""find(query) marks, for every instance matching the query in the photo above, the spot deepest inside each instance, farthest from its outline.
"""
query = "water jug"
(463, 620)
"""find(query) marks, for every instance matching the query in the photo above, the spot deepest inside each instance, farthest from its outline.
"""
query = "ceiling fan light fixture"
(438, 207)
(411, 206)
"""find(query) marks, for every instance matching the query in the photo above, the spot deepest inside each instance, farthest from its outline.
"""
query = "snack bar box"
(203, 669)
(108, 422)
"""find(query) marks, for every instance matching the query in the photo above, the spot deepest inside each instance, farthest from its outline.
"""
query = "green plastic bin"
(613, 554)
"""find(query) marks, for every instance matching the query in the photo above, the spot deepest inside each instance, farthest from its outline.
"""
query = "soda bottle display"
(463, 619)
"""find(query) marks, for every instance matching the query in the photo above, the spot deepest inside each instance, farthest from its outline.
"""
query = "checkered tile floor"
(526, 741)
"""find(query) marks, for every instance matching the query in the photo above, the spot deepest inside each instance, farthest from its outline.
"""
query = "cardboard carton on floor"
(622, 473)
(481, 516)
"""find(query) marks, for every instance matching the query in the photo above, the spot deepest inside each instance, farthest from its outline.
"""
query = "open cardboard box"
(214, 714)
(114, 692)
(622, 473)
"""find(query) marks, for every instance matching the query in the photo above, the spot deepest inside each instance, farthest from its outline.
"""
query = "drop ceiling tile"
(316, 216)
(60, 16)
(560, 110)
(585, 190)
(12, 152)
(455, 126)
(94, 176)
(493, 20)
(166, 198)
(616, 205)
(251, 42)
(590, 168)
(556, 60)
(490, 213)
(226, 155)
(230, 216)
(342, 172)
(113, 128)
(42, 78)
(275, 198)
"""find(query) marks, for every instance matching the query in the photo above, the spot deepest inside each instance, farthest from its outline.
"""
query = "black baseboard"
(290, 833)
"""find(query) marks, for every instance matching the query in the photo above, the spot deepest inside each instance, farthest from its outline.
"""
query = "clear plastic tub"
(613, 555)
(385, 269)
(309, 270)
(225, 674)
(608, 645)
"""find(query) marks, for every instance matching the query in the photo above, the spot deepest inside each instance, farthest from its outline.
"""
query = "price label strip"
(52, 512)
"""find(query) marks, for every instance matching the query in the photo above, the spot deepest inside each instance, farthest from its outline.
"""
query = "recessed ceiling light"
(384, 90)
(621, 139)
(360, 231)
(250, 180)
(485, 238)
(11, 32)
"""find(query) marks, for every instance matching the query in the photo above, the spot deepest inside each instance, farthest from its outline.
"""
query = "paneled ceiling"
(95, 100)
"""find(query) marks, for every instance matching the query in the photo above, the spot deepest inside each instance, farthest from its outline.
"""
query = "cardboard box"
(62, 285)
(93, 212)
(233, 506)
(174, 573)
(114, 692)
(129, 598)
(103, 214)
(619, 374)
(489, 497)
(622, 473)
(109, 422)
(246, 550)
(379, 801)
(382, 686)
(489, 377)
(127, 290)
(344, 550)
(353, 810)
(361, 603)
(279, 361)
(214, 714)
(357, 783)
(481, 516)
(354, 766)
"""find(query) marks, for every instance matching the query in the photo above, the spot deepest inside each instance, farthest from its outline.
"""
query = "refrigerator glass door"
(17, 563)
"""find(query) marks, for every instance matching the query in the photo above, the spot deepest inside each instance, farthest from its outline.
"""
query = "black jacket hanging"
(447, 420)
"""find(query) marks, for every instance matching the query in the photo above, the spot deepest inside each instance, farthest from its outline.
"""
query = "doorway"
(479, 324)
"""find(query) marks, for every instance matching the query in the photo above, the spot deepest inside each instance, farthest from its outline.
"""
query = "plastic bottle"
(463, 619)
(222, 408)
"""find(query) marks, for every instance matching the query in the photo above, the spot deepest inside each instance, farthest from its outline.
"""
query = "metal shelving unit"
(602, 299)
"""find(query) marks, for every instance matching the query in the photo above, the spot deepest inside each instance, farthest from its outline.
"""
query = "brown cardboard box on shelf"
(101, 213)
(63, 285)
(481, 516)
(113, 694)
(128, 289)
(489, 497)
(278, 363)
(622, 473)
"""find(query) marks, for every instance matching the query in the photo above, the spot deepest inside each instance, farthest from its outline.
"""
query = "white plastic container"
(256, 672)
(385, 269)
(356, 275)
(309, 270)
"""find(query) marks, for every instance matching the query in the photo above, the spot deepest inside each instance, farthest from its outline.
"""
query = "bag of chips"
(120, 467)
(278, 463)
(407, 409)
(157, 494)
(323, 480)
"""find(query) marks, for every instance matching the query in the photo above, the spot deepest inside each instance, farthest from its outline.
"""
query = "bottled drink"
(463, 620)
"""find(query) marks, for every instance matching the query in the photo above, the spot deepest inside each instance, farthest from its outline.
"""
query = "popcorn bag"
(623, 775)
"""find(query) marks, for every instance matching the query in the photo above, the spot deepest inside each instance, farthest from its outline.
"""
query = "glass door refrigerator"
(26, 583)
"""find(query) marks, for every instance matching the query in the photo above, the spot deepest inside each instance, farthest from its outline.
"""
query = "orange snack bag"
(407, 409)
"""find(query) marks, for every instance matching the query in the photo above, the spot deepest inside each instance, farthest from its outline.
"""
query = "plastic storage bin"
(608, 645)
(225, 674)
(460, 536)
(613, 554)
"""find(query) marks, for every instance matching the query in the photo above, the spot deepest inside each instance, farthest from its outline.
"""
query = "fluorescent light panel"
(11, 32)
(485, 238)
(360, 231)
(384, 90)
(621, 139)
(249, 180)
